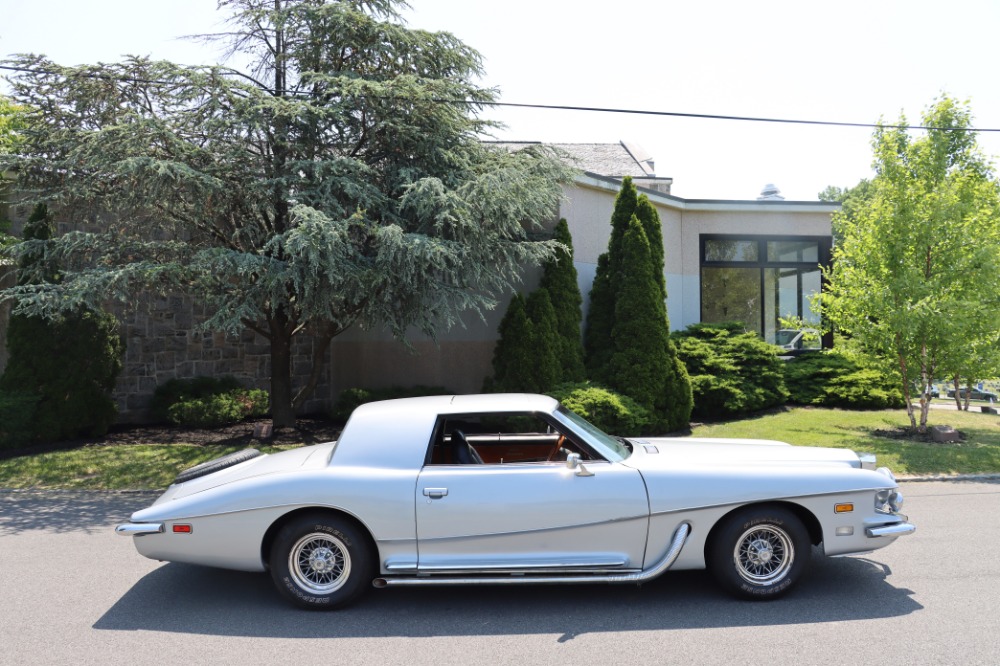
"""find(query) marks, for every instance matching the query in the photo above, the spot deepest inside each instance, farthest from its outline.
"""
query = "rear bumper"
(138, 529)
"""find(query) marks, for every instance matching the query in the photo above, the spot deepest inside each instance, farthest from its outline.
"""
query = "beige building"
(753, 261)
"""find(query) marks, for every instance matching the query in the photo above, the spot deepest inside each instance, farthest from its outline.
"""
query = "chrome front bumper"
(138, 529)
(893, 530)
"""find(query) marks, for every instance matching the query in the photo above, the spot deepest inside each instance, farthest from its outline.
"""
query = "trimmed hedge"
(832, 379)
(611, 412)
(353, 398)
(207, 402)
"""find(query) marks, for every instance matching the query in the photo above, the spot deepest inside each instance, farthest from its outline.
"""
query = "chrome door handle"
(435, 493)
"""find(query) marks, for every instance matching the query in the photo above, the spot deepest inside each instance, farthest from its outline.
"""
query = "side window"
(498, 439)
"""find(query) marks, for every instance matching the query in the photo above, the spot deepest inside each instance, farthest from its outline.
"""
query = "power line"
(556, 107)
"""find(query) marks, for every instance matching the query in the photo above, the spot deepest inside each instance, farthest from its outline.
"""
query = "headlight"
(889, 500)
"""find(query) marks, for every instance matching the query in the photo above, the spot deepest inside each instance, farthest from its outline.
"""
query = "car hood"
(306, 457)
(686, 452)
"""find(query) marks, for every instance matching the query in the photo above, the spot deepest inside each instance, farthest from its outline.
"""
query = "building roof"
(607, 159)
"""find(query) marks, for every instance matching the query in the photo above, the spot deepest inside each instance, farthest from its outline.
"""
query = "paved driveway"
(72, 592)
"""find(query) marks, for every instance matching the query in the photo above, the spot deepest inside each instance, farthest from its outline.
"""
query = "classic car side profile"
(517, 489)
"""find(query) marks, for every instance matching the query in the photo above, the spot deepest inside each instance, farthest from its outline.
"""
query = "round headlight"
(896, 502)
(886, 472)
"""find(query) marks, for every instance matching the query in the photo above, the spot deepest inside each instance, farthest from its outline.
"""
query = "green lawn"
(149, 466)
(979, 453)
(118, 467)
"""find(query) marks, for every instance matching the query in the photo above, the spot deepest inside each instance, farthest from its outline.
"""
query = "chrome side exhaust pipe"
(676, 543)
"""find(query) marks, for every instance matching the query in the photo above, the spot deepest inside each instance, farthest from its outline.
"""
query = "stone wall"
(163, 341)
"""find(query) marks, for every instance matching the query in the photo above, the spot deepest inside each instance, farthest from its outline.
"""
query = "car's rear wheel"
(759, 552)
(321, 561)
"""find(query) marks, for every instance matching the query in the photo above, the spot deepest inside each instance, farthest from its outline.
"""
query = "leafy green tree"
(851, 199)
(643, 364)
(601, 315)
(12, 120)
(916, 277)
(69, 363)
(560, 280)
(326, 186)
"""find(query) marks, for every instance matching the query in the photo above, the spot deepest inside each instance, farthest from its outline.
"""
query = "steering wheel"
(555, 449)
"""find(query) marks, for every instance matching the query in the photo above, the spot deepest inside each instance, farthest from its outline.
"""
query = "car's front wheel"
(321, 561)
(759, 552)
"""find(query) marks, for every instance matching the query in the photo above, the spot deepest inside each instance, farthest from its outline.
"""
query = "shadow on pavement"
(197, 600)
(68, 510)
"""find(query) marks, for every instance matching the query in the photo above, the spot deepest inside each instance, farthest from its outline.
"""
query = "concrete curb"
(949, 477)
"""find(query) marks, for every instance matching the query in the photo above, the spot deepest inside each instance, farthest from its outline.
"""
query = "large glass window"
(758, 281)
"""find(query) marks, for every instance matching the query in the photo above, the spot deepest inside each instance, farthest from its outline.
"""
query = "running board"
(676, 543)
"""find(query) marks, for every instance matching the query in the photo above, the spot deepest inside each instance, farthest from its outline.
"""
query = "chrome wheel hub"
(319, 563)
(763, 555)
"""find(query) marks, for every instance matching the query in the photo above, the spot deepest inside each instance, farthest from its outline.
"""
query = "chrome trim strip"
(676, 543)
(894, 530)
(524, 566)
(537, 530)
(138, 529)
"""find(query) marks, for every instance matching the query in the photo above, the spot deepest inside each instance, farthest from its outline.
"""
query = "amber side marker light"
(182, 529)
(846, 507)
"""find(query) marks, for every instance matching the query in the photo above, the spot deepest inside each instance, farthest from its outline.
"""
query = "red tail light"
(182, 529)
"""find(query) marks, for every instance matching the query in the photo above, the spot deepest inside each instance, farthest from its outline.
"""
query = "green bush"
(71, 364)
(206, 402)
(353, 398)
(732, 370)
(611, 412)
(219, 409)
(17, 414)
(833, 379)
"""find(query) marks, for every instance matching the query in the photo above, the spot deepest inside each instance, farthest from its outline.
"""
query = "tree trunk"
(907, 395)
(956, 380)
(282, 412)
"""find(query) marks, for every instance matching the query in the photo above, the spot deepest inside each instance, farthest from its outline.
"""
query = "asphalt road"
(73, 592)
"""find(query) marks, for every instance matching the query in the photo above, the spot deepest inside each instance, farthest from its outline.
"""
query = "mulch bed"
(912, 435)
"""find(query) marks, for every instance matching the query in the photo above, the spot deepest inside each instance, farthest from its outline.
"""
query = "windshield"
(611, 448)
(785, 336)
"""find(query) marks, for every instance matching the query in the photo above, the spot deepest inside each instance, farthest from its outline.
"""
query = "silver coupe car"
(516, 489)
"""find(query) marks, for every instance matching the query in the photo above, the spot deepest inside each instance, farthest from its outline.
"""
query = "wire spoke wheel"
(320, 563)
(764, 554)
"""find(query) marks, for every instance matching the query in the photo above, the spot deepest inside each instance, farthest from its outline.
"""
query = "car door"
(543, 516)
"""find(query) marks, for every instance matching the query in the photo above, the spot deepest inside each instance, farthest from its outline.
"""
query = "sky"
(848, 61)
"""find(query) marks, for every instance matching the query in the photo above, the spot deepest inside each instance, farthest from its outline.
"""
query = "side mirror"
(573, 462)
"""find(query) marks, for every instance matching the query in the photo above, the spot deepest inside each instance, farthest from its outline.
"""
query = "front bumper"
(138, 529)
(893, 530)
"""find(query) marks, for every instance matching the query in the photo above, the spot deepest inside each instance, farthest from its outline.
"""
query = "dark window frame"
(825, 251)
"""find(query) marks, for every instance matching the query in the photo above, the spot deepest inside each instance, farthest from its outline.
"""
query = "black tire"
(759, 552)
(322, 561)
(210, 466)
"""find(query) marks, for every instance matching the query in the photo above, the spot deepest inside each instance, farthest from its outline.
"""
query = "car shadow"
(189, 599)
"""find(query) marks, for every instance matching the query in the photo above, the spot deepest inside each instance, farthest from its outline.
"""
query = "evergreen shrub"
(17, 415)
(207, 402)
(732, 371)
(833, 379)
(612, 412)
(71, 364)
